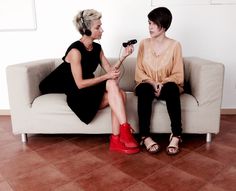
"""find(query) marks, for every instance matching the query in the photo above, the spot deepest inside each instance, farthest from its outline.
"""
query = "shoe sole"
(128, 145)
(132, 151)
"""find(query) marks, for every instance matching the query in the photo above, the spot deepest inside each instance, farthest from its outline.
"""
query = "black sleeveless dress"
(83, 102)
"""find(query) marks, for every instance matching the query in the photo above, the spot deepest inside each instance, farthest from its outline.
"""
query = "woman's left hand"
(158, 89)
(128, 50)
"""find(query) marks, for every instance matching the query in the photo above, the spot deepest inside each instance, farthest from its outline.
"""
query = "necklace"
(160, 47)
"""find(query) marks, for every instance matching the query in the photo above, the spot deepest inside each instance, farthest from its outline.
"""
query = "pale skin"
(159, 44)
(114, 96)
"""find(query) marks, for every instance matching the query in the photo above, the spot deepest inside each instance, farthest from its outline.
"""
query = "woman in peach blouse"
(159, 75)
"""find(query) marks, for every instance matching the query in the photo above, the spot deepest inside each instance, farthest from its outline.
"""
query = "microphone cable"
(122, 68)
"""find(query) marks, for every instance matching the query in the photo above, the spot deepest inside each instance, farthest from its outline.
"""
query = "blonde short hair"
(83, 19)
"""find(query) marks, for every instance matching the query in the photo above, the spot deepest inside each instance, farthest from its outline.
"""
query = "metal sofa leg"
(24, 137)
(208, 137)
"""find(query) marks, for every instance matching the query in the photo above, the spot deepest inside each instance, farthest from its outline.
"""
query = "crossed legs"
(122, 139)
(115, 98)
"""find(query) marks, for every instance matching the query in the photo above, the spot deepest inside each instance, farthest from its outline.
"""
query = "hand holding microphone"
(129, 47)
(129, 42)
(128, 50)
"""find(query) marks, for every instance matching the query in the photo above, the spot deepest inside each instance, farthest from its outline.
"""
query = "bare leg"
(115, 121)
(121, 139)
(110, 98)
(116, 101)
(115, 124)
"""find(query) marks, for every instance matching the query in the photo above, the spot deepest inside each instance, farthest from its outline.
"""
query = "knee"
(111, 85)
(171, 91)
(171, 88)
(144, 90)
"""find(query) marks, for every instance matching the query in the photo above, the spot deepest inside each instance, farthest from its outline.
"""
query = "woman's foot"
(126, 136)
(151, 146)
(118, 146)
(173, 147)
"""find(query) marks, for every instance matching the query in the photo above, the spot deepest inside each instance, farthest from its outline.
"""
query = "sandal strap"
(143, 140)
(178, 137)
(174, 142)
(151, 144)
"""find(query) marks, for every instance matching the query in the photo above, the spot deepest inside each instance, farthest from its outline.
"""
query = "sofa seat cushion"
(56, 103)
(188, 103)
(51, 103)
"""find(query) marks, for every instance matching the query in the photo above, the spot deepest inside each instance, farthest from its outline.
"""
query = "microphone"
(129, 42)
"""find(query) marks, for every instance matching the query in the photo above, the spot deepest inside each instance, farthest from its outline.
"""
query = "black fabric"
(169, 93)
(187, 87)
(83, 102)
(145, 93)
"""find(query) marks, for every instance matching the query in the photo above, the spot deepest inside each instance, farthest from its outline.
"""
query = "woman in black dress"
(86, 94)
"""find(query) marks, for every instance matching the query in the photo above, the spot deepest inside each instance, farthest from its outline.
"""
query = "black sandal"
(174, 144)
(152, 147)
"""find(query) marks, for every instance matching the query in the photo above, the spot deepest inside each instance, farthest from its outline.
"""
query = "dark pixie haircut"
(161, 16)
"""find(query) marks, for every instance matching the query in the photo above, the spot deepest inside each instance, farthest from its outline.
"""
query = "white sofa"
(33, 113)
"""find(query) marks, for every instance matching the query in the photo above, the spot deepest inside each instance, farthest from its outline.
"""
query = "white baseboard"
(5, 112)
(223, 112)
(228, 111)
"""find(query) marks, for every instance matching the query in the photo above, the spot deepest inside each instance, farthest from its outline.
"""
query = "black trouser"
(169, 93)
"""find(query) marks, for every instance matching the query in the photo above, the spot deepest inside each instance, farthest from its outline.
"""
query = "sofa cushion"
(188, 103)
(56, 103)
(51, 103)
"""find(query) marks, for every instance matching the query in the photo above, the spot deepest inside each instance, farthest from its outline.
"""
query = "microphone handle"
(129, 42)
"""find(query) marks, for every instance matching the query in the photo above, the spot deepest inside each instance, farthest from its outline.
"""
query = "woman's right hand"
(157, 89)
(113, 74)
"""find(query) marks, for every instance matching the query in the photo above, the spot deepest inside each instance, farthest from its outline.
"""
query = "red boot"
(126, 136)
(116, 145)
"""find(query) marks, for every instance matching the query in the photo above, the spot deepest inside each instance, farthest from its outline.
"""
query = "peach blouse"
(162, 68)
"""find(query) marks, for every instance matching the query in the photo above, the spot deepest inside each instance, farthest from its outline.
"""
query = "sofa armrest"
(205, 78)
(23, 81)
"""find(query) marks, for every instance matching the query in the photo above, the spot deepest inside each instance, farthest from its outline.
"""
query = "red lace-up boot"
(116, 145)
(126, 136)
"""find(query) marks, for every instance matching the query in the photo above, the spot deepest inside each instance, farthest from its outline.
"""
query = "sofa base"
(24, 137)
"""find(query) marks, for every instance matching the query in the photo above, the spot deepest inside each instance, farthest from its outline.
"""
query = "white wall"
(206, 31)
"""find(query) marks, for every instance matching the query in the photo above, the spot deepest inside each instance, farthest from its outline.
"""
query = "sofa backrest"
(126, 80)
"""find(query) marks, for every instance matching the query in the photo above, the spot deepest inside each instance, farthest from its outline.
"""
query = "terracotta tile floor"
(84, 162)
